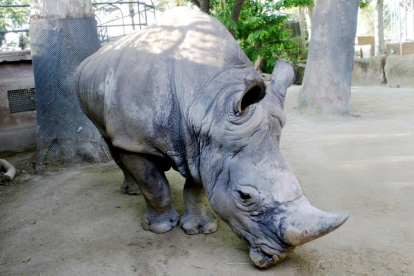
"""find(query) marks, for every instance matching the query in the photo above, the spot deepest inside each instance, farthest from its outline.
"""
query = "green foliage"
(293, 3)
(163, 5)
(13, 18)
(364, 3)
(260, 29)
(366, 19)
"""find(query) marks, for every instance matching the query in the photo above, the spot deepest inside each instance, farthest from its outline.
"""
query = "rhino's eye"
(246, 199)
(244, 196)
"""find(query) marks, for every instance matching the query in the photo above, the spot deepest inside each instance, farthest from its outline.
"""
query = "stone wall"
(16, 129)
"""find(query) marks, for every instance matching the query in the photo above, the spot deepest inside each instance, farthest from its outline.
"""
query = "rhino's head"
(251, 186)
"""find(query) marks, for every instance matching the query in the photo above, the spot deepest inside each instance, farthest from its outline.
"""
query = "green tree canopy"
(260, 28)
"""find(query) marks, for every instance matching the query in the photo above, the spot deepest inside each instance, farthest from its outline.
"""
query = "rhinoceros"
(182, 94)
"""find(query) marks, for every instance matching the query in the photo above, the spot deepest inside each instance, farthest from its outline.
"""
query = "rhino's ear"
(254, 92)
(283, 76)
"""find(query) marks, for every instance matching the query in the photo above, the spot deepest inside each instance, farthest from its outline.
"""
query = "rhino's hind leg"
(196, 219)
(160, 216)
(129, 186)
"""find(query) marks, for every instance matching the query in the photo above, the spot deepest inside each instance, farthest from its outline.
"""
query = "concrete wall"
(369, 71)
(390, 70)
(16, 129)
(402, 49)
(399, 71)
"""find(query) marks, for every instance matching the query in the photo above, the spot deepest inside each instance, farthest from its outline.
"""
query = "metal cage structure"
(400, 17)
(113, 20)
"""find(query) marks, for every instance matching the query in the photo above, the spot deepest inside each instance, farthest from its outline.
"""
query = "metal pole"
(139, 15)
(146, 22)
(399, 23)
(405, 23)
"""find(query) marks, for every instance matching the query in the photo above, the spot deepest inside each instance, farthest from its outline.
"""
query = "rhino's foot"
(130, 187)
(194, 223)
(159, 221)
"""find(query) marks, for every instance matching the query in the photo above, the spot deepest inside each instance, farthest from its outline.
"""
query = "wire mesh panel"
(21, 100)
(65, 134)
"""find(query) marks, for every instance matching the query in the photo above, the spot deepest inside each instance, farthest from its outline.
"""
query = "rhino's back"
(136, 89)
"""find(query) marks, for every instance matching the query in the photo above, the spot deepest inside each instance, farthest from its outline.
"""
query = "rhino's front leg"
(196, 219)
(159, 216)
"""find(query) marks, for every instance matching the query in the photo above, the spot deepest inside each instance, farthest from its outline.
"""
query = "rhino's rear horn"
(283, 76)
(254, 92)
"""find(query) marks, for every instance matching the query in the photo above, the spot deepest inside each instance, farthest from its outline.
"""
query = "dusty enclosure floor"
(76, 221)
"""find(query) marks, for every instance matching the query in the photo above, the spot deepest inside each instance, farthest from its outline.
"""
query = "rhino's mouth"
(264, 257)
(263, 252)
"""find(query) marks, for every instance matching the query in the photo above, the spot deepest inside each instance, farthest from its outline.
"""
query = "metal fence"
(114, 19)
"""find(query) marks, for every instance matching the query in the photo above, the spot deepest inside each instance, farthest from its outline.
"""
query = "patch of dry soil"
(76, 221)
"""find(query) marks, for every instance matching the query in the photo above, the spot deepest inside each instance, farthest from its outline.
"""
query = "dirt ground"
(76, 221)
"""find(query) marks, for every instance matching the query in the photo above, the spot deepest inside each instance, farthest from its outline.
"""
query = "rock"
(399, 71)
(369, 71)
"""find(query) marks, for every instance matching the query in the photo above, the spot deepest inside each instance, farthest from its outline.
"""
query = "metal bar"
(14, 31)
(112, 20)
(405, 18)
(121, 2)
(122, 14)
(14, 6)
(399, 23)
(145, 12)
(103, 26)
(103, 3)
(120, 25)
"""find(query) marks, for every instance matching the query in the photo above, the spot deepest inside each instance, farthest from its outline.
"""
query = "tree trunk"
(302, 28)
(258, 64)
(63, 33)
(132, 14)
(308, 16)
(205, 6)
(327, 82)
(235, 13)
(379, 28)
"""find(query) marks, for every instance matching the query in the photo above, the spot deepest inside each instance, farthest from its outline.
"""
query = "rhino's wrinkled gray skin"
(182, 94)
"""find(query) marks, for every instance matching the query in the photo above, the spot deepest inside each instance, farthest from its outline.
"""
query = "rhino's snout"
(293, 223)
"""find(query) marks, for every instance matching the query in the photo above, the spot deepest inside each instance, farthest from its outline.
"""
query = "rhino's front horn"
(306, 223)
